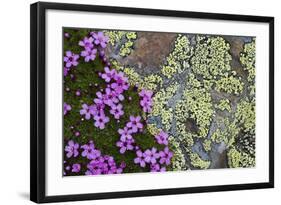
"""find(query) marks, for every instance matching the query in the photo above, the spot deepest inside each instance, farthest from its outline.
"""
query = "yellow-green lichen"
(197, 105)
(245, 116)
(197, 162)
(211, 57)
(177, 60)
(226, 132)
(239, 159)
(207, 144)
(224, 104)
(234, 158)
(230, 85)
(248, 59)
(178, 159)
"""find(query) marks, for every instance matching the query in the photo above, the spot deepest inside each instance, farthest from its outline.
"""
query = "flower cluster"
(126, 141)
(104, 165)
(146, 100)
(112, 96)
(98, 164)
(156, 159)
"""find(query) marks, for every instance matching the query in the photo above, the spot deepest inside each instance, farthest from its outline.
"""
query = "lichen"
(207, 144)
(197, 162)
(248, 59)
(234, 158)
(211, 57)
(177, 60)
(178, 160)
(223, 105)
(245, 116)
(230, 85)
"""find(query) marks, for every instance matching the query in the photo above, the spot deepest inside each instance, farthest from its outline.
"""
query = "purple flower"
(117, 111)
(104, 165)
(89, 54)
(165, 156)
(146, 105)
(87, 111)
(72, 149)
(135, 123)
(70, 59)
(150, 156)
(66, 35)
(157, 168)
(66, 108)
(65, 71)
(110, 97)
(125, 134)
(146, 102)
(108, 74)
(87, 43)
(146, 94)
(121, 83)
(100, 39)
(125, 145)
(100, 121)
(162, 138)
(90, 152)
(76, 168)
(140, 158)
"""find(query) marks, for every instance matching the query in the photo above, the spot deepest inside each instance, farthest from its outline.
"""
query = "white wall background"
(14, 100)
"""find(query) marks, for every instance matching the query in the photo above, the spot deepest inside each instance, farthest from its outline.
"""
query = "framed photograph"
(129, 102)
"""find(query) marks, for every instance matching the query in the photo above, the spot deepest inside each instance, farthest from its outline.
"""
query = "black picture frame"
(38, 100)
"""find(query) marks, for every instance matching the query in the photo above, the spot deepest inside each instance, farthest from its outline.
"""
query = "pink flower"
(125, 134)
(100, 121)
(76, 168)
(165, 156)
(117, 111)
(108, 74)
(70, 59)
(140, 158)
(125, 145)
(66, 108)
(135, 123)
(72, 149)
(150, 156)
(162, 138)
